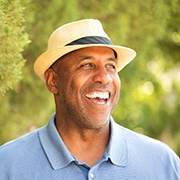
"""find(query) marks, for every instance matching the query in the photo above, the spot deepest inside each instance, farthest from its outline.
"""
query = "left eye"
(111, 66)
(87, 65)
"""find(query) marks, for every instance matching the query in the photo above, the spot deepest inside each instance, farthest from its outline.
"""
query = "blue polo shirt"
(42, 155)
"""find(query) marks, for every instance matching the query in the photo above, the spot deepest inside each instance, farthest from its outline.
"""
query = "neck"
(87, 145)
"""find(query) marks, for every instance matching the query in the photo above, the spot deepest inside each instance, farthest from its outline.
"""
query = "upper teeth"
(101, 95)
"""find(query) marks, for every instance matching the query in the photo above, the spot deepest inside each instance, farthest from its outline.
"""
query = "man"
(81, 140)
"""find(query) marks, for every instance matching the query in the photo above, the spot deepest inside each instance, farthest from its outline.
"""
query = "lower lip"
(98, 101)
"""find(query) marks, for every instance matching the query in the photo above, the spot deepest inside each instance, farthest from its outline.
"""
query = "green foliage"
(150, 93)
(12, 41)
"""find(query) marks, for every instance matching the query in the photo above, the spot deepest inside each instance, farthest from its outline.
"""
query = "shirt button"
(91, 175)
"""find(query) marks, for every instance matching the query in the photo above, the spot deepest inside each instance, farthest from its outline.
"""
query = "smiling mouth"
(98, 97)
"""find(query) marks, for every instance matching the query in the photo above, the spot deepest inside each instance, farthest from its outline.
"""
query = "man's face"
(88, 86)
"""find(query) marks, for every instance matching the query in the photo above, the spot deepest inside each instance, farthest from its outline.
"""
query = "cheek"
(73, 85)
(78, 80)
(117, 82)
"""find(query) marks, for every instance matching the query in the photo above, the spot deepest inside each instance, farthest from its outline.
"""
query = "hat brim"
(44, 61)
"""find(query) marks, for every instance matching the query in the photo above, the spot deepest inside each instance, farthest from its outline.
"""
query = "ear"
(51, 80)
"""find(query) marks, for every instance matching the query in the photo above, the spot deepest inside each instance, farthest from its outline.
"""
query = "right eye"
(87, 66)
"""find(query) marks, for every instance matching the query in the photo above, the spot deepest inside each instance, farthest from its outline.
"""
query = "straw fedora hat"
(77, 35)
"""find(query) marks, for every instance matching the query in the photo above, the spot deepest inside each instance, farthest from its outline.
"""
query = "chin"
(97, 122)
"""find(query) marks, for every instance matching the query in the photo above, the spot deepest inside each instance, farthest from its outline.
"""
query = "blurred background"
(150, 91)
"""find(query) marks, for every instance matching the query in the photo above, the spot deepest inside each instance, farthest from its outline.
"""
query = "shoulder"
(151, 148)
(20, 146)
(144, 142)
(22, 157)
(139, 142)
(18, 153)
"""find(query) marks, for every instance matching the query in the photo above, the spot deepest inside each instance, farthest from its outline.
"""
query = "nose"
(102, 76)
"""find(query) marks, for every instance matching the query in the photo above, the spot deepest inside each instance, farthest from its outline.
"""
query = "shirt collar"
(117, 149)
(59, 156)
(56, 151)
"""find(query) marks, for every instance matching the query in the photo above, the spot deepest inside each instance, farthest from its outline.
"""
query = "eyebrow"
(86, 57)
(113, 59)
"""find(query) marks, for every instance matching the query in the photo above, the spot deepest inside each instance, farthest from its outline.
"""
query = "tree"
(13, 38)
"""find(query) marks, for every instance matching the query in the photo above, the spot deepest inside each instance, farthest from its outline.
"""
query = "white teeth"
(100, 95)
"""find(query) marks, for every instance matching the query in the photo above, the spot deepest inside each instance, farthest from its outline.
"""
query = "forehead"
(95, 50)
(79, 55)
